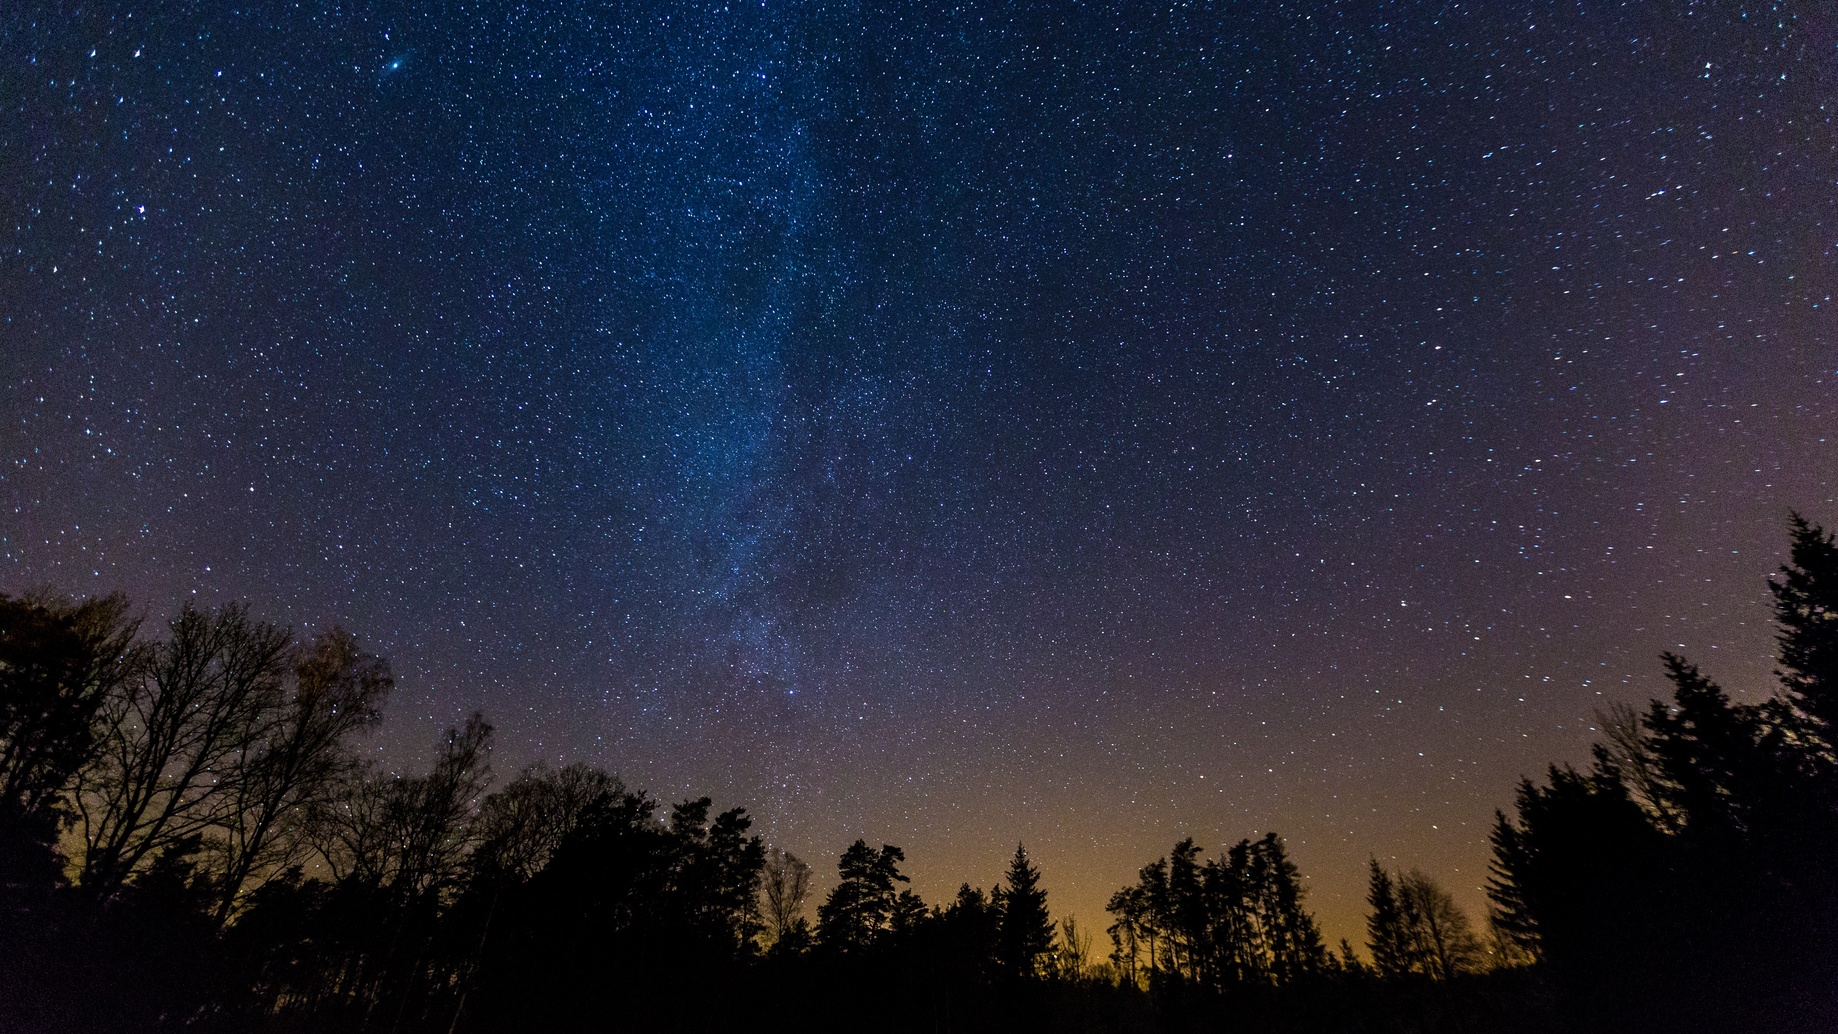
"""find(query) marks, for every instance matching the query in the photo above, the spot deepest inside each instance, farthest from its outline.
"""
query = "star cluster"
(945, 424)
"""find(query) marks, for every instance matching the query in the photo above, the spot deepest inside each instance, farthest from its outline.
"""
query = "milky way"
(945, 425)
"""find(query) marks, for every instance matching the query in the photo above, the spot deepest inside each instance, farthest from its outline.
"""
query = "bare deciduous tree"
(522, 825)
(1441, 942)
(1628, 749)
(785, 884)
(411, 834)
(171, 739)
(295, 761)
(1074, 950)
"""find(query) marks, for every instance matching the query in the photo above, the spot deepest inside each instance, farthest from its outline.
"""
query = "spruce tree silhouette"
(1386, 938)
(1026, 929)
(1806, 608)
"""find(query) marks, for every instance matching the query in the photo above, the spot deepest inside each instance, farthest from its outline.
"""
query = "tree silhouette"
(1075, 960)
(291, 767)
(862, 905)
(1236, 920)
(171, 743)
(411, 834)
(59, 665)
(1292, 941)
(1025, 929)
(786, 887)
(632, 917)
(1386, 935)
(717, 873)
(1130, 928)
(1415, 928)
(523, 824)
(1440, 942)
(1806, 608)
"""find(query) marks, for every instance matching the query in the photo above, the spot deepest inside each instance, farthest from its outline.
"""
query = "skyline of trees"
(187, 825)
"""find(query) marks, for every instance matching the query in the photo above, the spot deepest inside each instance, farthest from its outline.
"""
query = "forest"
(190, 839)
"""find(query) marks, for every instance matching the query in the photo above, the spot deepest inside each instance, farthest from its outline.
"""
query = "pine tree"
(1385, 935)
(862, 905)
(1186, 916)
(1806, 606)
(1292, 939)
(1025, 932)
(967, 930)
(1128, 931)
(1348, 960)
(1708, 753)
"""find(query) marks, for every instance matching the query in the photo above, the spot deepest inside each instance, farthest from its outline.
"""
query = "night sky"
(946, 426)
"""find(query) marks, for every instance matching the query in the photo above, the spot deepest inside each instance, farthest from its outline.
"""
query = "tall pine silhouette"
(1385, 935)
(1025, 933)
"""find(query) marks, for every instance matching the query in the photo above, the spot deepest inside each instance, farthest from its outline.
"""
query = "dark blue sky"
(945, 425)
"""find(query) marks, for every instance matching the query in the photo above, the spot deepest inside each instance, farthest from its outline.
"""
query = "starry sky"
(947, 425)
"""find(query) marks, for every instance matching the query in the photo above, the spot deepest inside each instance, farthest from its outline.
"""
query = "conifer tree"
(1128, 932)
(1806, 607)
(1025, 932)
(863, 903)
(1385, 935)
(1293, 941)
